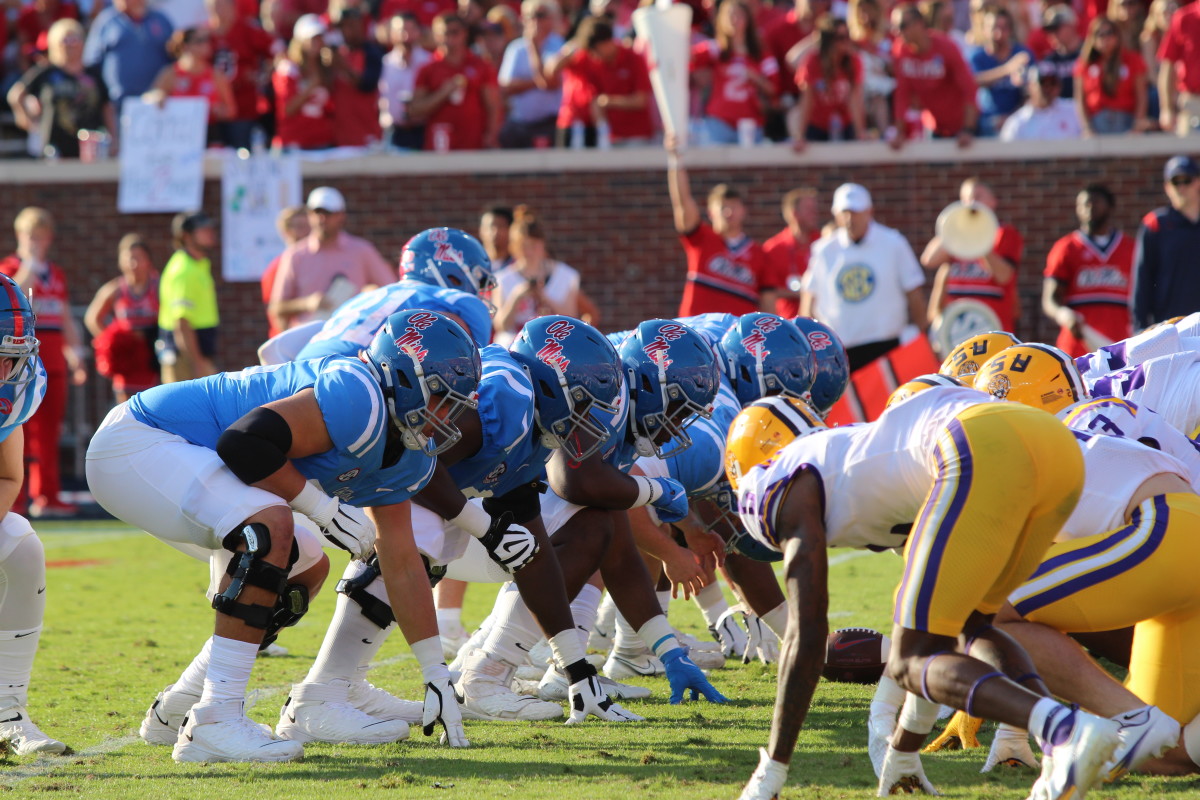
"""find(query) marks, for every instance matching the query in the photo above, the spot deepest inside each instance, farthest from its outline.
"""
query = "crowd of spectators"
(446, 75)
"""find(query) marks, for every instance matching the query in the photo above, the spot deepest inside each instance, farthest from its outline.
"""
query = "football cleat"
(452, 642)
(641, 665)
(1145, 733)
(273, 650)
(21, 735)
(902, 773)
(163, 718)
(1074, 759)
(540, 655)
(696, 645)
(487, 696)
(321, 712)
(1010, 748)
(380, 703)
(553, 687)
(221, 731)
(960, 733)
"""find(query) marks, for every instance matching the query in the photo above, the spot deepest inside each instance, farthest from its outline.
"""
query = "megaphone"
(967, 230)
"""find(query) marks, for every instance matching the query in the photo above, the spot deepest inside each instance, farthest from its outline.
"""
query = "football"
(855, 655)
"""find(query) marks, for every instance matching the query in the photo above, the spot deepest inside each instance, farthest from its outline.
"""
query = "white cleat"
(452, 642)
(473, 643)
(380, 703)
(529, 673)
(487, 696)
(273, 651)
(642, 665)
(21, 735)
(1073, 765)
(221, 731)
(540, 655)
(599, 640)
(707, 659)
(320, 712)
(553, 687)
(1145, 733)
(163, 718)
(695, 645)
(1010, 748)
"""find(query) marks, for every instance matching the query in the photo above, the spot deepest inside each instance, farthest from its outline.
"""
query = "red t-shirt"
(627, 75)
(51, 304)
(733, 96)
(466, 117)
(787, 260)
(239, 54)
(202, 85)
(580, 85)
(1090, 78)
(830, 98)
(30, 24)
(784, 34)
(1097, 282)
(969, 280)
(267, 282)
(355, 113)
(1182, 45)
(721, 277)
(312, 126)
(938, 82)
(426, 10)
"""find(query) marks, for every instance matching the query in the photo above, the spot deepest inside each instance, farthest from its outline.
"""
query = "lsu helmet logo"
(659, 348)
(551, 352)
(999, 386)
(755, 341)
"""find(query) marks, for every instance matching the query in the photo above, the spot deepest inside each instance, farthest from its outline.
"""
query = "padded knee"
(374, 609)
(248, 569)
(289, 608)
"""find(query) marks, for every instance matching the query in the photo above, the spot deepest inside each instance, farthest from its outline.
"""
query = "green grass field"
(125, 614)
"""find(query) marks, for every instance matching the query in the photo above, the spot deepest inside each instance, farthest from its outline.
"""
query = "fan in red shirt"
(1089, 276)
(302, 82)
(1179, 71)
(831, 90)
(33, 21)
(357, 65)
(123, 321)
(727, 271)
(456, 93)
(426, 11)
(240, 53)
(1111, 85)
(737, 72)
(60, 346)
(193, 75)
(935, 90)
(992, 280)
(785, 33)
(787, 251)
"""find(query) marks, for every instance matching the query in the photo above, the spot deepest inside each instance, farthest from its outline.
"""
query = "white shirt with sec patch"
(860, 287)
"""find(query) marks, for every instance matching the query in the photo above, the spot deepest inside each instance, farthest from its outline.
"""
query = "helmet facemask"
(22, 351)
(577, 434)
(440, 417)
(655, 429)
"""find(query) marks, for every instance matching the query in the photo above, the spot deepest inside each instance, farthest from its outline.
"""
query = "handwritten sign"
(162, 156)
(253, 192)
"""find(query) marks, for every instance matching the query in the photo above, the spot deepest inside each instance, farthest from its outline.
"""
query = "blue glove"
(684, 675)
(672, 503)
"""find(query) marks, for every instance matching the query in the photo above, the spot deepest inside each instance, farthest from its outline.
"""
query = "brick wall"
(615, 227)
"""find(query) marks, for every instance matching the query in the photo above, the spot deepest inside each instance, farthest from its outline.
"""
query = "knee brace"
(374, 609)
(289, 608)
(248, 568)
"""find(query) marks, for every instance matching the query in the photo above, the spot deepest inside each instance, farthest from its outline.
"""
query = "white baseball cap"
(326, 198)
(851, 197)
(309, 26)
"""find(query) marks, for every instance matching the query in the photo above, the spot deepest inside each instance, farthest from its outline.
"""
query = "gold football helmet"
(1037, 375)
(920, 384)
(964, 360)
(763, 428)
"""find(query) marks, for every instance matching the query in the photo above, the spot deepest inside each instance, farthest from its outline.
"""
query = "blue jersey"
(711, 328)
(354, 325)
(701, 468)
(512, 453)
(18, 403)
(352, 407)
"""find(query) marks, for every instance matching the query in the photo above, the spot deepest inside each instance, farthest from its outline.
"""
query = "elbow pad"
(256, 445)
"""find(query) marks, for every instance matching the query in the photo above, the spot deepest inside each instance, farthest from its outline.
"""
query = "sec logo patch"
(345, 476)
(856, 282)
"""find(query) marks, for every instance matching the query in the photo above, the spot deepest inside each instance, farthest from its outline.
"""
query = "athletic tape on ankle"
(566, 647)
(969, 708)
(777, 619)
(925, 674)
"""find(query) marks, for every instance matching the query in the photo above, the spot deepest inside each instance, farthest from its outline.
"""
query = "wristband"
(658, 635)
(428, 653)
(314, 504)
(777, 619)
(918, 714)
(648, 491)
(473, 519)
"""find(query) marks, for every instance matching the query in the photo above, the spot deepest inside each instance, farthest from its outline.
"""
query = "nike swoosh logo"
(21, 635)
(39, 591)
(851, 643)
(17, 718)
(367, 641)
(521, 647)
(385, 490)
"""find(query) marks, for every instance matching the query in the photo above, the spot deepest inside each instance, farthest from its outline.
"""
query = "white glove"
(1010, 748)
(903, 774)
(511, 546)
(588, 698)
(343, 525)
(767, 780)
(761, 641)
(729, 634)
(441, 705)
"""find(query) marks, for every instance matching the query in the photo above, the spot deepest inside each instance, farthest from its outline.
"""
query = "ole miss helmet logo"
(819, 340)
(439, 235)
(551, 352)
(658, 349)
(447, 252)
(755, 341)
(411, 341)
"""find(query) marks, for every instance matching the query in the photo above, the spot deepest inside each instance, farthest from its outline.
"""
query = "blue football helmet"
(767, 355)
(449, 258)
(576, 377)
(833, 367)
(672, 377)
(17, 340)
(418, 356)
(725, 501)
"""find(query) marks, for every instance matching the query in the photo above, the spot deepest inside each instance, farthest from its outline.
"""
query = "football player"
(964, 360)
(803, 487)
(218, 465)
(22, 559)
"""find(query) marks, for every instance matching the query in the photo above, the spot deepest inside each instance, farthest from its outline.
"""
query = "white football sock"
(664, 601)
(658, 635)
(584, 609)
(626, 641)
(22, 606)
(889, 695)
(1046, 710)
(229, 665)
(712, 603)
(776, 619)
(606, 617)
(192, 679)
(351, 641)
(514, 630)
(449, 620)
